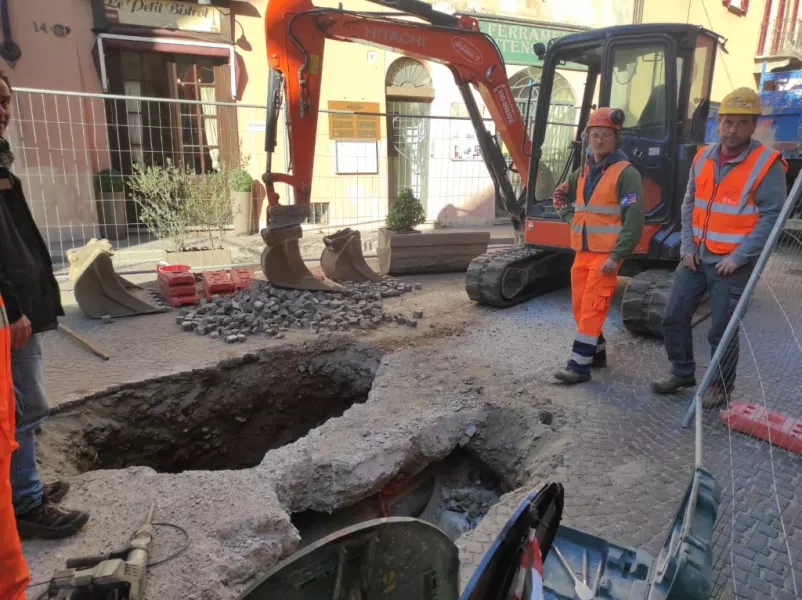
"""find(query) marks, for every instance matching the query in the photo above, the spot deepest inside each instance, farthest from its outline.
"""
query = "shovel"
(583, 592)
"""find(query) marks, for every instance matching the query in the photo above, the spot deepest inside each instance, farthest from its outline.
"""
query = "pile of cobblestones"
(271, 311)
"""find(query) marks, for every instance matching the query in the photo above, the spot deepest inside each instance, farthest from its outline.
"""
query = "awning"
(170, 45)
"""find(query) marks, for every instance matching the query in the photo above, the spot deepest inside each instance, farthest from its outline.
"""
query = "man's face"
(734, 131)
(602, 141)
(5, 107)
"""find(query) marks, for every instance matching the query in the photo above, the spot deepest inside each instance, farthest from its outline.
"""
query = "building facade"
(197, 58)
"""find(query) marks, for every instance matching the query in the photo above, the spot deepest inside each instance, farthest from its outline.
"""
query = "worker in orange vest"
(735, 193)
(13, 570)
(603, 202)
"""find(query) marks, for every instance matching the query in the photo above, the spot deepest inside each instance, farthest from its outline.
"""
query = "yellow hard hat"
(743, 101)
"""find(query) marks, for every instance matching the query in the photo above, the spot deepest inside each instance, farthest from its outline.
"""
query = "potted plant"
(111, 213)
(240, 183)
(426, 252)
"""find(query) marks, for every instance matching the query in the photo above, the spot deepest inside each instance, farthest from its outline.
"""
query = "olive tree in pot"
(426, 252)
(111, 213)
(240, 183)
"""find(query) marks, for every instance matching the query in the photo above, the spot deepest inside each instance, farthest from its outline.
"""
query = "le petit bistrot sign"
(164, 14)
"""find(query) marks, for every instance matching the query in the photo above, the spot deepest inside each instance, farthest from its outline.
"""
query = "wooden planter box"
(199, 258)
(430, 251)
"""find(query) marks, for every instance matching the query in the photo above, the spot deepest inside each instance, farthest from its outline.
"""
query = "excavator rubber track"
(513, 275)
(643, 306)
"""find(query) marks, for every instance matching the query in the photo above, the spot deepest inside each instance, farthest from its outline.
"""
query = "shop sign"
(350, 126)
(515, 40)
(164, 14)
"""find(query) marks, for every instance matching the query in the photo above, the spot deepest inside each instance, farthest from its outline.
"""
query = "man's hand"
(609, 267)
(727, 266)
(559, 195)
(20, 332)
(690, 260)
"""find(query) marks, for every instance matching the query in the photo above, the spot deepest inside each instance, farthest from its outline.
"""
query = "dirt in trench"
(226, 417)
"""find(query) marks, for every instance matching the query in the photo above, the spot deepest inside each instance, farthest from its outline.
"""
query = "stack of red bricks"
(221, 283)
(177, 285)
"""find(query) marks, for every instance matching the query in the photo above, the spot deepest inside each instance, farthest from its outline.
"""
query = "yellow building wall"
(734, 69)
(352, 72)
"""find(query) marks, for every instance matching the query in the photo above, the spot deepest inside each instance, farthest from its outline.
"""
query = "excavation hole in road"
(454, 494)
(227, 417)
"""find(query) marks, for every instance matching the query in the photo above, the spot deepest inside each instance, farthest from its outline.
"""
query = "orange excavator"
(659, 74)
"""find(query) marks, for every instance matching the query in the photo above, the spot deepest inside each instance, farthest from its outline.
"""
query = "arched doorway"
(409, 93)
(561, 126)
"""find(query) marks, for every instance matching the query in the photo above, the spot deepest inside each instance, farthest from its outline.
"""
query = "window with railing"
(318, 213)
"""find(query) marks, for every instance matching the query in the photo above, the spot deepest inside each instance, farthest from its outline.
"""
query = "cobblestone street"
(627, 465)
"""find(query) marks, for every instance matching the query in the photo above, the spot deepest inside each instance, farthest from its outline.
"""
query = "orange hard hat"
(606, 117)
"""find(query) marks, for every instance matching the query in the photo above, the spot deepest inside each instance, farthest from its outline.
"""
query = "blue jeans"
(689, 288)
(27, 372)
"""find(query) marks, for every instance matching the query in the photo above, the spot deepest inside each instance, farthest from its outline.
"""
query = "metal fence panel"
(753, 444)
(63, 139)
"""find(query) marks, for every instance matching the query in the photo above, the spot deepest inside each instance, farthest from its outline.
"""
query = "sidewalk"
(140, 253)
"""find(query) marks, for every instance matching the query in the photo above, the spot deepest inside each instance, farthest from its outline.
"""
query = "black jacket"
(27, 283)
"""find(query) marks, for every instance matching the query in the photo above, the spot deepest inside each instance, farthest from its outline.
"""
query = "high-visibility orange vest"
(601, 216)
(7, 417)
(724, 213)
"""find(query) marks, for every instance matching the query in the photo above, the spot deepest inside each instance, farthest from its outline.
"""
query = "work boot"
(672, 384)
(49, 521)
(571, 377)
(600, 360)
(55, 492)
(714, 397)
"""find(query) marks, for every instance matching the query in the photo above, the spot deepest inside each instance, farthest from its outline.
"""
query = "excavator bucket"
(98, 290)
(342, 258)
(282, 263)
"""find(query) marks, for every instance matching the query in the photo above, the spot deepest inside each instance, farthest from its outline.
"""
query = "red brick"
(216, 282)
(178, 296)
(173, 279)
(241, 278)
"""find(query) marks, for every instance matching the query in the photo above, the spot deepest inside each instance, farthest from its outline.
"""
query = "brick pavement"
(628, 464)
(629, 461)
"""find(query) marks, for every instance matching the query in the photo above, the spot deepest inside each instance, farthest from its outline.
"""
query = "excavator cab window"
(558, 139)
(641, 79)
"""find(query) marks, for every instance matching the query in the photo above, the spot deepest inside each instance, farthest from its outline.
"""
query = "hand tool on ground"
(582, 591)
(118, 575)
(597, 579)
(83, 341)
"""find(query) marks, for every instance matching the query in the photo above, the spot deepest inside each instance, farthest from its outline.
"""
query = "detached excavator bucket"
(282, 263)
(342, 258)
(98, 290)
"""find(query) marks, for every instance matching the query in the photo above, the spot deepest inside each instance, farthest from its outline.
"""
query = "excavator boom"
(296, 34)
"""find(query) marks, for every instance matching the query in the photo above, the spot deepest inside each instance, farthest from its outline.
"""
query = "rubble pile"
(268, 310)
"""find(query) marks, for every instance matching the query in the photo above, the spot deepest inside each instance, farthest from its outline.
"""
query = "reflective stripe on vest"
(724, 213)
(600, 218)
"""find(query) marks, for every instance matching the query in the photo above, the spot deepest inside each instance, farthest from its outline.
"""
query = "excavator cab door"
(640, 77)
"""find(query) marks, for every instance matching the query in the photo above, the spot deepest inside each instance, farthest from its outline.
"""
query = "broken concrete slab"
(235, 524)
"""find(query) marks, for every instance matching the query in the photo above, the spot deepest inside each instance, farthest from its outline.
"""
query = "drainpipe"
(9, 49)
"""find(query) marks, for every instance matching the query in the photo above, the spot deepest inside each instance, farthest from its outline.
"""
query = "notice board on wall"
(347, 125)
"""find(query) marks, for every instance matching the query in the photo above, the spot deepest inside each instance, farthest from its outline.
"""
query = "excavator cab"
(660, 75)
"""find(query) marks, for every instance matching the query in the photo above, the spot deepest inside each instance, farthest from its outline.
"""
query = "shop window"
(195, 80)
(201, 136)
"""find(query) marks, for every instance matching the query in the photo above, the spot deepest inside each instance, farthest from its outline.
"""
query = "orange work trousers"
(13, 569)
(591, 294)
